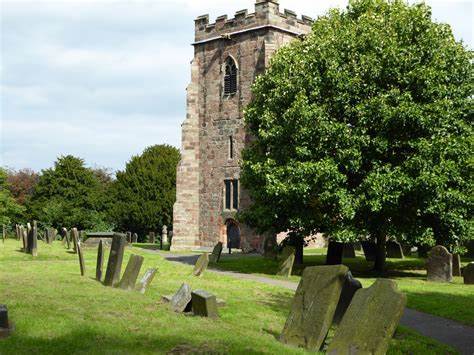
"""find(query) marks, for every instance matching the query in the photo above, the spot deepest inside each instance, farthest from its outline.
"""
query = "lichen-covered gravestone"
(146, 280)
(350, 287)
(201, 265)
(439, 265)
(370, 321)
(216, 253)
(134, 238)
(287, 259)
(132, 270)
(100, 261)
(181, 300)
(369, 249)
(456, 265)
(114, 264)
(81, 259)
(394, 249)
(204, 304)
(164, 234)
(468, 273)
(314, 305)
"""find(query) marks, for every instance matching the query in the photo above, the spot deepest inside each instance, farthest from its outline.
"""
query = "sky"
(103, 80)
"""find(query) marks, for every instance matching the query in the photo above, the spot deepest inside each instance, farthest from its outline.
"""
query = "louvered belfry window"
(230, 77)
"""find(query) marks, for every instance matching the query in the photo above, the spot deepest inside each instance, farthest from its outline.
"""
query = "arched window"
(230, 77)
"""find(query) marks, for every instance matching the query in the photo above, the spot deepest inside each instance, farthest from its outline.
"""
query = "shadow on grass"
(166, 247)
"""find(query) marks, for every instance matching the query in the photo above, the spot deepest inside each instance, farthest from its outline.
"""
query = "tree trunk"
(380, 251)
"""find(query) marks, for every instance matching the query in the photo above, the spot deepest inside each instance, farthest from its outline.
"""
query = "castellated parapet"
(208, 191)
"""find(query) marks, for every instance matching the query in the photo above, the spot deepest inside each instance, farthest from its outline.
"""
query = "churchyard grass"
(56, 311)
(451, 300)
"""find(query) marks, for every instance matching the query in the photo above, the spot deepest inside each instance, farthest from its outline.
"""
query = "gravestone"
(334, 253)
(350, 287)
(6, 327)
(132, 270)
(468, 273)
(201, 264)
(146, 280)
(270, 247)
(114, 264)
(181, 300)
(164, 234)
(314, 305)
(94, 238)
(63, 233)
(287, 258)
(406, 248)
(369, 249)
(24, 238)
(100, 262)
(204, 304)
(129, 237)
(370, 321)
(348, 250)
(439, 265)
(394, 250)
(74, 239)
(456, 265)
(216, 253)
(151, 237)
(81, 259)
(32, 244)
(134, 238)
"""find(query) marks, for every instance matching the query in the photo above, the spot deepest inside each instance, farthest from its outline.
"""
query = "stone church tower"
(228, 55)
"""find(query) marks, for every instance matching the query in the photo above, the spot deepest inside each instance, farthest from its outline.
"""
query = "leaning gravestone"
(201, 265)
(6, 327)
(151, 237)
(314, 305)
(134, 238)
(146, 280)
(369, 249)
(350, 287)
(287, 259)
(114, 264)
(132, 270)
(456, 265)
(75, 239)
(348, 250)
(468, 273)
(270, 246)
(204, 304)
(100, 262)
(370, 321)
(216, 253)
(334, 253)
(439, 265)
(81, 259)
(394, 250)
(181, 300)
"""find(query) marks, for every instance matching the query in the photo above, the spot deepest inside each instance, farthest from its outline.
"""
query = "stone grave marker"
(270, 247)
(151, 237)
(468, 273)
(129, 237)
(17, 232)
(394, 249)
(114, 264)
(100, 262)
(6, 327)
(134, 238)
(81, 259)
(164, 234)
(24, 238)
(287, 258)
(132, 270)
(369, 249)
(406, 248)
(74, 238)
(32, 244)
(334, 253)
(201, 264)
(456, 265)
(181, 300)
(314, 305)
(216, 253)
(370, 321)
(439, 265)
(348, 250)
(146, 280)
(350, 287)
(204, 304)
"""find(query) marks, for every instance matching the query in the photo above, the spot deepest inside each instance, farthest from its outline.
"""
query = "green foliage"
(69, 195)
(9, 209)
(146, 191)
(365, 127)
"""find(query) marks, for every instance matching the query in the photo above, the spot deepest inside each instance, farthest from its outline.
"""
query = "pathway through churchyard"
(455, 334)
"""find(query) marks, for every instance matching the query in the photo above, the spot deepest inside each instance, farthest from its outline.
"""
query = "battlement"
(267, 13)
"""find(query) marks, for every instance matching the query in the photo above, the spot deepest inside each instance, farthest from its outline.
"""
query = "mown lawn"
(454, 300)
(56, 311)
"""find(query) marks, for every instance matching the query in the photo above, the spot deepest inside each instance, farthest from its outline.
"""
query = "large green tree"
(146, 191)
(364, 128)
(9, 208)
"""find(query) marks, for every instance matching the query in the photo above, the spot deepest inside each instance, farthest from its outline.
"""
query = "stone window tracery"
(231, 194)
(230, 77)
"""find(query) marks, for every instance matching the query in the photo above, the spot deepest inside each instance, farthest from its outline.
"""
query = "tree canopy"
(9, 208)
(146, 191)
(364, 128)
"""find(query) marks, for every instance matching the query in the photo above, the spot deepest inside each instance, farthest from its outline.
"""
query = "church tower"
(228, 55)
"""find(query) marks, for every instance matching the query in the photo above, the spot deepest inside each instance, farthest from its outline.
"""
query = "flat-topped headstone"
(287, 259)
(201, 264)
(181, 300)
(468, 273)
(270, 246)
(134, 238)
(216, 253)
(204, 304)
(370, 321)
(6, 327)
(369, 249)
(456, 265)
(439, 266)
(81, 259)
(100, 262)
(334, 253)
(132, 270)
(394, 250)
(93, 239)
(314, 305)
(114, 264)
(350, 287)
(348, 250)
(151, 237)
(146, 280)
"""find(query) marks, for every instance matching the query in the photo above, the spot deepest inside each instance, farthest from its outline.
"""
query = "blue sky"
(102, 80)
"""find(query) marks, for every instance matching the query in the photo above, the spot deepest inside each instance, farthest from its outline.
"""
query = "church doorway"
(233, 235)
